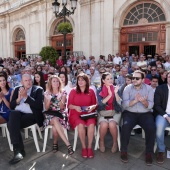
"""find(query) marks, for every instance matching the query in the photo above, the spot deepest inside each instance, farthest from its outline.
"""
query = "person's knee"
(104, 125)
(112, 124)
(81, 127)
(127, 127)
(91, 126)
(150, 129)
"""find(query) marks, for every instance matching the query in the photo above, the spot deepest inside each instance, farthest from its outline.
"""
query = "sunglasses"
(136, 78)
(102, 72)
(153, 70)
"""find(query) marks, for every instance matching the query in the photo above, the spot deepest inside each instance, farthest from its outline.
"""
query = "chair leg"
(143, 134)
(39, 131)
(3, 132)
(9, 139)
(155, 146)
(65, 132)
(33, 128)
(118, 136)
(95, 132)
(75, 138)
(45, 139)
(51, 133)
(26, 133)
(97, 139)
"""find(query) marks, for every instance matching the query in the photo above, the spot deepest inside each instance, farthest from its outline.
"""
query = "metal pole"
(64, 34)
(65, 60)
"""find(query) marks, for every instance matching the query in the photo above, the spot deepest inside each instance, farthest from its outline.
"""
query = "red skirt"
(75, 120)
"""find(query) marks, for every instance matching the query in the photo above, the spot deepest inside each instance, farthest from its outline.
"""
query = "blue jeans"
(161, 124)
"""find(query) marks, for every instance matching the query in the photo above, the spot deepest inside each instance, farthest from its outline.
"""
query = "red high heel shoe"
(84, 152)
(90, 153)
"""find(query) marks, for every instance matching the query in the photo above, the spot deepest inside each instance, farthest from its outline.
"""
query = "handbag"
(56, 113)
(107, 113)
(89, 116)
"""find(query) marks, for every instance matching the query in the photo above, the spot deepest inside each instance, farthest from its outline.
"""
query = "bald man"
(26, 106)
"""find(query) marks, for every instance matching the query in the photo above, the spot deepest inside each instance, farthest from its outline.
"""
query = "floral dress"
(54, 106)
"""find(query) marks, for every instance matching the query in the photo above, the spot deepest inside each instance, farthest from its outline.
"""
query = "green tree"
(64, 27)
(49, 53)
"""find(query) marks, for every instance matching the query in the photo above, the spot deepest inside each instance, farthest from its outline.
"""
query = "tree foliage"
(64, 28)
(49, 53)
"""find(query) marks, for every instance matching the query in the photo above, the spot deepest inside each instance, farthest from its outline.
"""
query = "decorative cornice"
(88, 2)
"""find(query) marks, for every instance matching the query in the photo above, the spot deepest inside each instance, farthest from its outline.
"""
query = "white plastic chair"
(98, 136)
(143, 132)
(155, 146)
(76, 136)
(37, 128)
(5, 133)
(46, 135)
(34, 134)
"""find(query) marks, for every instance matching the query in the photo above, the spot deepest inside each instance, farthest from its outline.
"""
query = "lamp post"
(64, 12)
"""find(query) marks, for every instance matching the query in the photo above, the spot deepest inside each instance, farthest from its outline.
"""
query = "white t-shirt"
(117, 60)
(167, 66)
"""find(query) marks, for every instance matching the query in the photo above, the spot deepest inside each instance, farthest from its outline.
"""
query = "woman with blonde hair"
(55, 114)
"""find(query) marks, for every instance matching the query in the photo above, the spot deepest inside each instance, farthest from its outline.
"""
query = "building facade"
(99, 27)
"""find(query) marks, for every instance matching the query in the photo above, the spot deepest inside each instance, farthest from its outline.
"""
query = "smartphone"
(84, 108)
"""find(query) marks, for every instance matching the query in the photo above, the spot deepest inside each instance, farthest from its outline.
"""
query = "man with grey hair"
(121, 79)
(26, 106)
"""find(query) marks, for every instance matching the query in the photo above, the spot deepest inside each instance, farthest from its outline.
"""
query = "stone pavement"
(60, 160)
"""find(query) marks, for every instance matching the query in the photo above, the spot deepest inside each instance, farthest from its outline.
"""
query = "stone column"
(116, 40)
(168, 38)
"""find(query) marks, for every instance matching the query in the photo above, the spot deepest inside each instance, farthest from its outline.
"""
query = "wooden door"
(19, 48)
(58, 43)
(149, 35)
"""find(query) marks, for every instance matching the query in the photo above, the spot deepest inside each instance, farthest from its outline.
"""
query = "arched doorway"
(19, 43)
(143, 29)
(58, 41)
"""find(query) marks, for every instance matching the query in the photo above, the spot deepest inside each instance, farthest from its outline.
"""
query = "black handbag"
(56, 113)
(89, 116)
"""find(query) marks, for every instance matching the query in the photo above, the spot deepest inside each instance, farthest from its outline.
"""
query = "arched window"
(55, 29)
(20, 36)
(144, 13)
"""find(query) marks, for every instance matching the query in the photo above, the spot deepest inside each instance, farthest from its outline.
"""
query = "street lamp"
(64, 12)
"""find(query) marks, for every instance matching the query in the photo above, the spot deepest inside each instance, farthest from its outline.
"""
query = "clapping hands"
(109, 90)
(1, 95)
(47, 96)
(140, 98)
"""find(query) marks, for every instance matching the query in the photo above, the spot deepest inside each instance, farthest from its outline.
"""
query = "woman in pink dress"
(81, 96)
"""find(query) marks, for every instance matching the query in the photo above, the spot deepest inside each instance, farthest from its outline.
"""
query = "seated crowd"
(123, 90)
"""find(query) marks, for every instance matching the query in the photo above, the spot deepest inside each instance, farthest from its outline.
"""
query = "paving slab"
(60, 161)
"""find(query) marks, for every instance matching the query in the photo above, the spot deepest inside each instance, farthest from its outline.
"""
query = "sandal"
(84, 153)
(90, 153)
(55, 148)
(70, 150)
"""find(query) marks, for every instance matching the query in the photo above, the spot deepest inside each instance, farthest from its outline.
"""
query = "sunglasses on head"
(136, 78)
